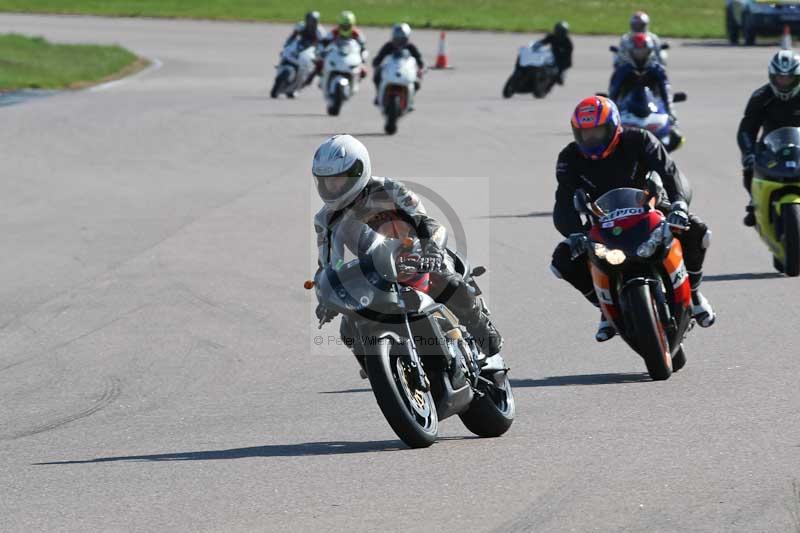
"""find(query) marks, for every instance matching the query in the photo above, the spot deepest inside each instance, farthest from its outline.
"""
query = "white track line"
(155, 64)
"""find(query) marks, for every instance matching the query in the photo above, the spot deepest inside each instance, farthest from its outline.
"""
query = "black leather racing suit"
(385, 200)
(562, 50)
(637, 153)
(764, 112)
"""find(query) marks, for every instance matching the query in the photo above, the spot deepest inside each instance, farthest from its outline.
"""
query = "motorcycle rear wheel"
(492, 414)
(791, 239)
(411, 413)
(650, 337)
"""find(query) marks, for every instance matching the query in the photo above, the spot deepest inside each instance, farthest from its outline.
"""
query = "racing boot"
(605, 330)
(702, 310)
(486, 335)
(750, 218)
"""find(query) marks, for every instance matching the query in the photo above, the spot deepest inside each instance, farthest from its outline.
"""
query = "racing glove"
(431, 259)
(578, 244)
(324, 314)
(678, 215)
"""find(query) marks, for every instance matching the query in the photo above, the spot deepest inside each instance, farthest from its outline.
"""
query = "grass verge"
(34, 63)
(677, 18)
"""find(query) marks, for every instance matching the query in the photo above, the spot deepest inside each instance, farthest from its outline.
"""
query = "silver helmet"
(784, 74)
(341, 170)
(400, 34)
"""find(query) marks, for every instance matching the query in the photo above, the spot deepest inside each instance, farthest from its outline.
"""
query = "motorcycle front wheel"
(648, 332)
(410, 412)
(338, 97)
(280, 83)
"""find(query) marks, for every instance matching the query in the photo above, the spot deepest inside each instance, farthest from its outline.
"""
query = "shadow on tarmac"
(744, 276)
(271, 450)
(535, 214)
(583, 379)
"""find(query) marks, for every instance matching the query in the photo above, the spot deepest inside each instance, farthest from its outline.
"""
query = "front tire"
(650, 337)
(492, 414)
(508, 88)
(280, 83)
(336, 105)
(392, 112)
(791, 240)
(411, 413)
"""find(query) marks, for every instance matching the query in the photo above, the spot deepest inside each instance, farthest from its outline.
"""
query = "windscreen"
(623, 198)
(781, 138)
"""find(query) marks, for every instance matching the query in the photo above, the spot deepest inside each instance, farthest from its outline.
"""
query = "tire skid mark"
(110, 392)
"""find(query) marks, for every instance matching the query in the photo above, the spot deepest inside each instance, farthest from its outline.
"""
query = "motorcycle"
(399, 81)
(296, 66)
(535, 72)
(776, 197)
(642, 109)
(422, 364)
(341, 73)
(639, 275)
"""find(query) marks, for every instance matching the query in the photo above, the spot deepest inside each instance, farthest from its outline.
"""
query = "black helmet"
(561, 29)
(312, 20)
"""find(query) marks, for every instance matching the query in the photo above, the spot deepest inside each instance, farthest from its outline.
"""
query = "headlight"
(600, 250)
(615, 257)
(649, 247)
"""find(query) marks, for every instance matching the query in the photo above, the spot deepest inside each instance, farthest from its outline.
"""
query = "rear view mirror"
(613, 48)
(665, 46)
(679, 97)
(581, 201)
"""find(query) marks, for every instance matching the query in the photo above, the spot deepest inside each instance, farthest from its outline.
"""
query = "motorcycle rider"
(604, 156)
(640, 23)
(346, 30)
(640, 67)
(342, 173)
(561, 45)
(772, 106)
(399, 41)
(309, 33)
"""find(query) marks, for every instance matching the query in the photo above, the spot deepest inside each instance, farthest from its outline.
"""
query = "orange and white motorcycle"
(639, 275)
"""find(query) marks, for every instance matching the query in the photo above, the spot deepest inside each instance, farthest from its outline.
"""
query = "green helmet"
(346, 22)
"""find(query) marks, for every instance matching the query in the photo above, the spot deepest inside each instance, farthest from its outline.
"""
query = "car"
(751, 18)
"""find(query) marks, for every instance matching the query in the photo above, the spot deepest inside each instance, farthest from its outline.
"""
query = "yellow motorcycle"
(776, 197)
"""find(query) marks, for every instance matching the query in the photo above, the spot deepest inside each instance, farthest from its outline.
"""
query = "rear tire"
(492, 414)
(650, 337)
(410, 413)
(791, 239)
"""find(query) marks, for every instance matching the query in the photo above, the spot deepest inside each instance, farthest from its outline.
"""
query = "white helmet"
(341, 156)
(401, 34)
(784, 74)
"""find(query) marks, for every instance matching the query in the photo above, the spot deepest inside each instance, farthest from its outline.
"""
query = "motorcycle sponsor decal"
(622, 213)
(604, 295)
(679, 275)
(609, 224)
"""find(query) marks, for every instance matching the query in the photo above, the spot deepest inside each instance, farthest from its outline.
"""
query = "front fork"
(413, 361)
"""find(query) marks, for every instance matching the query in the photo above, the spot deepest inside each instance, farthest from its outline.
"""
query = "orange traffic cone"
(441, 57)
(786, 40)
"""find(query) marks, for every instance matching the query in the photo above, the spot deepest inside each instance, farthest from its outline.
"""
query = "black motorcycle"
(535, 72)
(423, 365)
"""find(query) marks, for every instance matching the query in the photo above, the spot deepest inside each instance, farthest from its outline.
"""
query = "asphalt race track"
(157, 369)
